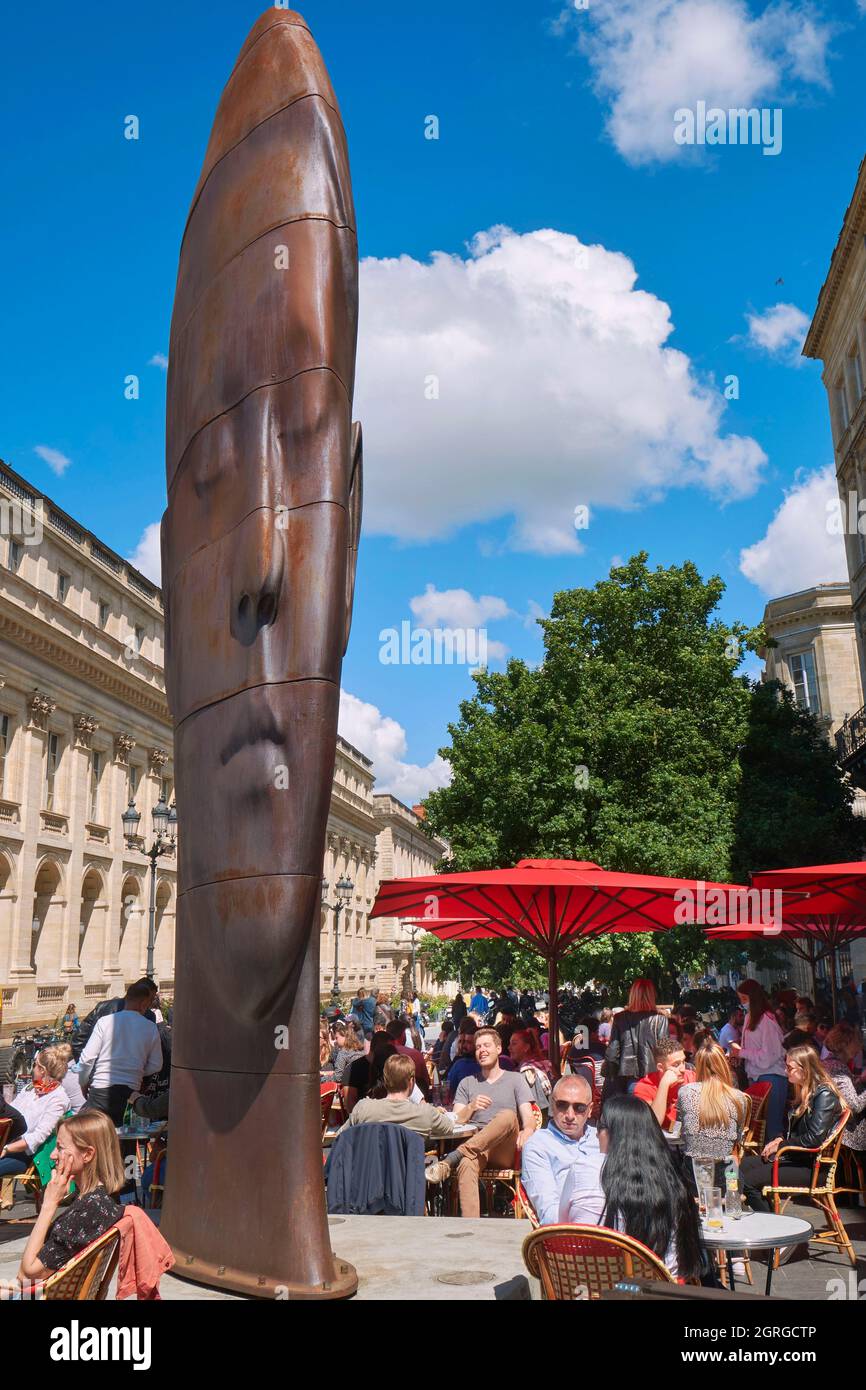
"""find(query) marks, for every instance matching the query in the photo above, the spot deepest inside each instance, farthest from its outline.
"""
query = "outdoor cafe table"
(756, 1230)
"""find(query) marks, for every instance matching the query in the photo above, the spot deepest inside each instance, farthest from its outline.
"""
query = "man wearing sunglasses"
(568, 1143)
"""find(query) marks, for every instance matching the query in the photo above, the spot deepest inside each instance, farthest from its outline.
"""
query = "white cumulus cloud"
(384, 741)
(456, 608)
(780, 331)
(159, 359)
(57, 462)
(799, 548)
(146, 556)
(524, 380)
(649, 58)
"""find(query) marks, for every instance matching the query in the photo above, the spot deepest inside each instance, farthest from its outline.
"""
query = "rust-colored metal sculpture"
(259, 546)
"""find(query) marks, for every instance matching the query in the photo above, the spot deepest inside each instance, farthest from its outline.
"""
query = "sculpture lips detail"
(259, 542)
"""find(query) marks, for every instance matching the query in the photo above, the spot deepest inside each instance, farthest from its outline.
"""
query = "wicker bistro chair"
(329, 1094)
(821, 1190)
(853, 1166)
(523, 1208)
(506, 1177)
(754, 1135)
(86, 1277)
(582, 1262)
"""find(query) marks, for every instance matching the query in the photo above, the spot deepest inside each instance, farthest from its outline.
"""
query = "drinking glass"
(714, 1208)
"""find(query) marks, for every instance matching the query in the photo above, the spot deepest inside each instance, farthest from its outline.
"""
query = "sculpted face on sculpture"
(259, 544)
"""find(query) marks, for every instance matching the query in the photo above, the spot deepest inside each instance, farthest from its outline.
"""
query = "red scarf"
(44, 1088)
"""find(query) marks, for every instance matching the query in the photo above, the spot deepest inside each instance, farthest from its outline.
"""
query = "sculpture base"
(244, 1207)
(343, 1284)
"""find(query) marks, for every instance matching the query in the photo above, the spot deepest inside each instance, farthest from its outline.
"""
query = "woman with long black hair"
(644, 1195)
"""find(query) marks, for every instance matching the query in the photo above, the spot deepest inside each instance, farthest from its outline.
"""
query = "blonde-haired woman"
(711, 1109)
(42, 1104)
(69, 1079)
(88, 1154)
(814, 1115)
(634, 1033)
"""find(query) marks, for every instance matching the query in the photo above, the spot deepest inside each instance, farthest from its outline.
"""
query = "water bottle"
(733, 1202)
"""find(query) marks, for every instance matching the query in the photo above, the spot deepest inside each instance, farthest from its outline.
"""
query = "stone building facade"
(84, 726)
(837, 337)
(816, 652)
(406, 850)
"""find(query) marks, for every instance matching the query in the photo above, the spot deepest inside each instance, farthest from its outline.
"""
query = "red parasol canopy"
(822, 907)
(824, 904)
(548, 904)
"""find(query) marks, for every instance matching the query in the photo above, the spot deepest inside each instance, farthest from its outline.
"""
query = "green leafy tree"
(637, 744)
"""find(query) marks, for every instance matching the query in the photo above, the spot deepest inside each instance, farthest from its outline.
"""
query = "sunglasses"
(579, 1107)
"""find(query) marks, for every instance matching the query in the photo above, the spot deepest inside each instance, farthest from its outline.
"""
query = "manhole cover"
(336, 1220)
(466, 1276)
(456, 1235)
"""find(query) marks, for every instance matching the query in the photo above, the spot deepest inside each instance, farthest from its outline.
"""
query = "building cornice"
(29, 633)
(853, 228)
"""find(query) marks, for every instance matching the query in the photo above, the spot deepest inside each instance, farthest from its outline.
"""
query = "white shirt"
(762, 1049)
(42, 1114)
(122, 1049)
(72, 1088)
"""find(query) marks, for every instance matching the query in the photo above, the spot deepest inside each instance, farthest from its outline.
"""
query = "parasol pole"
(832, 954)
(553, 1013)
(552, 987)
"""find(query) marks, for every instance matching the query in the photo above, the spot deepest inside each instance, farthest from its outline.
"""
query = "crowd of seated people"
(660, 1073)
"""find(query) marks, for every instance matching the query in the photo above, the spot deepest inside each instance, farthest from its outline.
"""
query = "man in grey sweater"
(396, 1108)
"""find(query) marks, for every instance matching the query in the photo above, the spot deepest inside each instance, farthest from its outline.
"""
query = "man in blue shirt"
(568, 1142)
(478, 1002)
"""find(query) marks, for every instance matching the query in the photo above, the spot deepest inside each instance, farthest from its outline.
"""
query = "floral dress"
(89, 1217)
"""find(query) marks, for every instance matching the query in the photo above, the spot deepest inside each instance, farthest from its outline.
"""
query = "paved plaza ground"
(448, 1259)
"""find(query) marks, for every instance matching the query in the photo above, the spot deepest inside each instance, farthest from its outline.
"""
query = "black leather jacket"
(810, 1129)
(630, 1050)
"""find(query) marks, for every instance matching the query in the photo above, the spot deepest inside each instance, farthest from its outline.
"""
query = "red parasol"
(824, 904)
(548, 904)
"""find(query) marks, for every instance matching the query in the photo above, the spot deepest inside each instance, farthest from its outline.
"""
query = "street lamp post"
(165, 837)
(414, 985)
(344, 889)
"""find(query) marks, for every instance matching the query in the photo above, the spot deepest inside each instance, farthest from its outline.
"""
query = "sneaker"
(785, 1253)
(438, 1172)
(739, 1267)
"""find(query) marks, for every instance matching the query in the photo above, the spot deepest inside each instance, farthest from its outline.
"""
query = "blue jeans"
(777, 1101)
(13, 1164)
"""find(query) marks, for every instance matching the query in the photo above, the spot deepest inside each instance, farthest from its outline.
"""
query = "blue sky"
(560, 380)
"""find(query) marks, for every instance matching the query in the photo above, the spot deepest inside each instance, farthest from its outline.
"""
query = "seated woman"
(534, 1067)
(69, 1079)
(644, 1195)
(843, 1046)
(464, 1065)
(817, 1107)
(87, 1154)
(364, 1076)
(348, 1047)
(711, 1110)
(42, 1103)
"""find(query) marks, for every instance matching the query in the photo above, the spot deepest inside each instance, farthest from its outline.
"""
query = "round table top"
(463, 1130)
(757, 1230)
